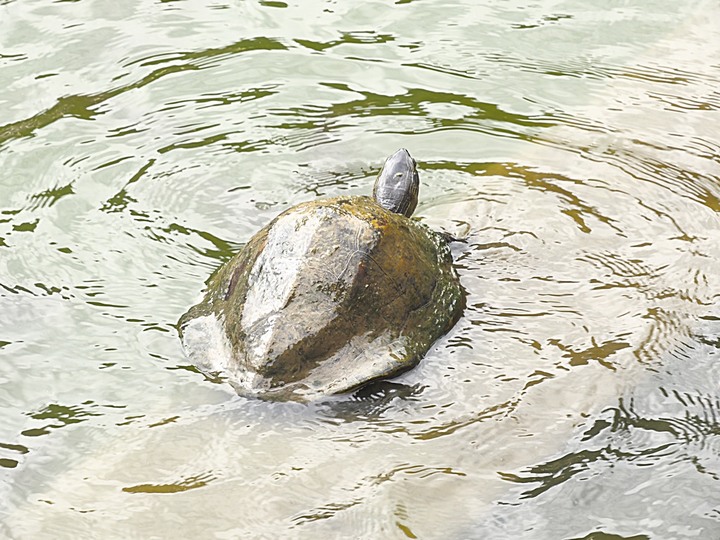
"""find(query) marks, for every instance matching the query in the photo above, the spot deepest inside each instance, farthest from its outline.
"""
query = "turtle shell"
(332, 294)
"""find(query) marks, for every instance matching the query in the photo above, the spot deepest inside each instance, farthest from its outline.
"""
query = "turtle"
(331, 295)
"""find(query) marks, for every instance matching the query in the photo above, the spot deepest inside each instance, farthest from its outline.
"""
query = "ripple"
(15, 449)
(220, 99)
(199, 58)
(591, 68)
(55, 416)
(7, 58)
(675, 102)
(179, 486)
(360, 37)
(663, 428)
(85, 106)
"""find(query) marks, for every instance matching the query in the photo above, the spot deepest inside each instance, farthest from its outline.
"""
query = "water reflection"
(186, 484)
(60, 416)
(368, 37)
(86, 107)
(370, 403)
(667, 424)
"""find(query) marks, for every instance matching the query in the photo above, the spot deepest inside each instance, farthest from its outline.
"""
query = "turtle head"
(397, 185)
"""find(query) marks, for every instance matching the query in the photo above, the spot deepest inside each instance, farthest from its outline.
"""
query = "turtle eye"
(398, 175)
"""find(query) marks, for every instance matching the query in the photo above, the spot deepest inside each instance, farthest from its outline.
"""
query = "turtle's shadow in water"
(370, 401)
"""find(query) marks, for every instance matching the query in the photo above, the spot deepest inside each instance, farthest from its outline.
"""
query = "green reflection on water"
(187, 484)
(85, 106)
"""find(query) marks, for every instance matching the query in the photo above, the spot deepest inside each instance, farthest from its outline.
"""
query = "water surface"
(574, 148)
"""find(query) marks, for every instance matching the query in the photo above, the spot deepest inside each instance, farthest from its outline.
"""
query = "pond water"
(573, 148)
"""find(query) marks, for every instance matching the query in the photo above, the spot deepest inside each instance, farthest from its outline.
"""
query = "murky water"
(575, 148)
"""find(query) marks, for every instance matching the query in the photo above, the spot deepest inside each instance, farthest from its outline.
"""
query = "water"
(575, 148)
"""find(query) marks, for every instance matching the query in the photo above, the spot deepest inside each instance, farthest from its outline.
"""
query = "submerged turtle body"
(330, 295)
